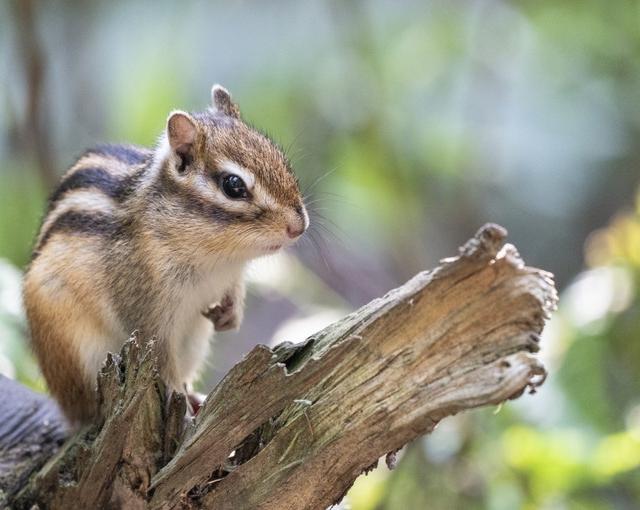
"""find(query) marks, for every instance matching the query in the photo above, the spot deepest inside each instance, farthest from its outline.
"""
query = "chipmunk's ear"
(221, 102)
(181, 131)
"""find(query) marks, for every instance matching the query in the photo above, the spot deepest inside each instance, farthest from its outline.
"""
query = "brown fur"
(135, 239)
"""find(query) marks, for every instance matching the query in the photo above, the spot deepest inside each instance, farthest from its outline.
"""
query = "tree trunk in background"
(293, 427)
(34, 131)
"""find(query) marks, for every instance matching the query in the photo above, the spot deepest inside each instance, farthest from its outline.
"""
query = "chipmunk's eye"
(234, 187)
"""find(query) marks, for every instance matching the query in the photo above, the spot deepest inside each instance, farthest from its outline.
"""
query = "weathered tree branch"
(292, 427)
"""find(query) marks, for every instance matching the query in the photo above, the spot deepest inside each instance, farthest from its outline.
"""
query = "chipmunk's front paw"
(225, 316)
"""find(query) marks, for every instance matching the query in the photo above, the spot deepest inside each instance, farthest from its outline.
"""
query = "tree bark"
(293, 427)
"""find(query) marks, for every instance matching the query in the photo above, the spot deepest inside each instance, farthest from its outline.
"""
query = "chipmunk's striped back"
(90, 195)
(149, 240)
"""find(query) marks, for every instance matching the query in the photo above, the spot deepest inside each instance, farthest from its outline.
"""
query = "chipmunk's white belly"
(189, 333)
(177, 322)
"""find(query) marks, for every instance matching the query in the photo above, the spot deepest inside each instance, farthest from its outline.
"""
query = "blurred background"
(410, 124)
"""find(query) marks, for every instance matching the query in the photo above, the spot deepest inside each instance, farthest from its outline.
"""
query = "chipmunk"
(150, 240)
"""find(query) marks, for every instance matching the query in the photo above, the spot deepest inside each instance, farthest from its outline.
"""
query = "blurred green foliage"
(21, 208)
(410, 124)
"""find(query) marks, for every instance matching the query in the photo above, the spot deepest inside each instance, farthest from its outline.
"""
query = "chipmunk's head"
(228, 188)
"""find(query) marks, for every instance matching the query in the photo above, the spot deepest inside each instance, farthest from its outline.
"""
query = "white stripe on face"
(261, 196)
(234, 168)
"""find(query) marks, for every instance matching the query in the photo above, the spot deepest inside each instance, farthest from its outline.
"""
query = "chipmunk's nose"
(297, 225)
(294, 231)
